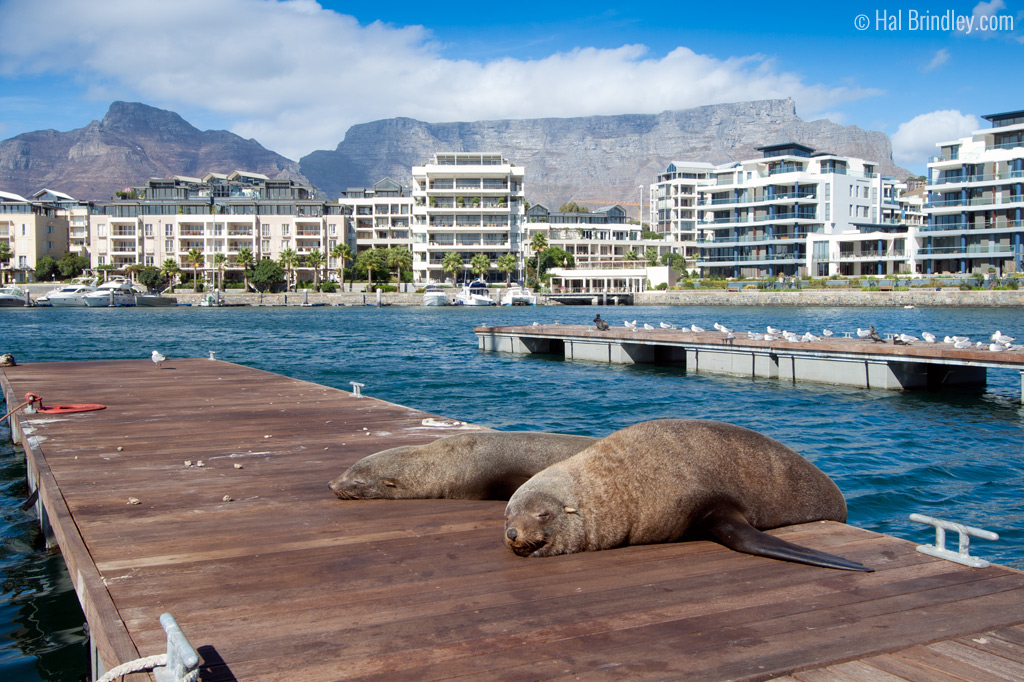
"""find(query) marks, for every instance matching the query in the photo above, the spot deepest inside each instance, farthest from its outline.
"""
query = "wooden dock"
(282, 581)
(846, 361)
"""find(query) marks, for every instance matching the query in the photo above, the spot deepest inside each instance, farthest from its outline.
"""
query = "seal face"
(663, 480)
(7, 360)
(477, 466)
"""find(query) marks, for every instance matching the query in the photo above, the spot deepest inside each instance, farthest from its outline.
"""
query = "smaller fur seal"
(7, 360)
(663, 480)
(484, 465)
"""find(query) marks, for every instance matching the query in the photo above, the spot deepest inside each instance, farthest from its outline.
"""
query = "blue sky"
(295, 75)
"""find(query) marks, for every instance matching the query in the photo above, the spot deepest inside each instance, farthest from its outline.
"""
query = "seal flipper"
(727, 525)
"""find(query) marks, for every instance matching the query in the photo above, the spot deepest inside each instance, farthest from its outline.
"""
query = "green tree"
(288, 259)
(479, 265)
(631, 255)
(152, 278)
(72, 265)
(195, 258)
(170, 270)
(648, 233)
(400, 259)
(558, 258)
(266, 275)
(315, 259)
(507, 263)
(539, 242)
(219, 261)
(453, 264)
(651, 256)
(245, 259)
(573, 207)
(371, 261)
(46, 269)
(342, 252)
(5, 255)
(674, 261)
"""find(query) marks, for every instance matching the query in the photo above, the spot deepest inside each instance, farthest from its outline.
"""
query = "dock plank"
(286, 582)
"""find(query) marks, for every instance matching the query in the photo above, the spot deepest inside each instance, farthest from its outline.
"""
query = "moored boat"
(154, 300)
(116, 293)
(518, 296)
(13, 297)
(474, 293)
(72, 294)
(434, 295)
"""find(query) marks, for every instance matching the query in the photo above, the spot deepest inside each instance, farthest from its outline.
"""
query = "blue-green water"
(952, 454)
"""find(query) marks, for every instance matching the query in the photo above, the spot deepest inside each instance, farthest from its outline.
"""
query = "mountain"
(132, 143)
(600, 158)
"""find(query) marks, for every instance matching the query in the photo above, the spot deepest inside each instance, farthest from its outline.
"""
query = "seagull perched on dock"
(694, 328)
(1001, 338)
(907, 338)
(665, 325)
(722, 328)
(629, 325)
(773, 330)
(755, 336)
(864, 333)
(158, 359)
(648, 326)
(928, 337)
(809, 337)
(998, 347)
(961, 345)
(826, 333)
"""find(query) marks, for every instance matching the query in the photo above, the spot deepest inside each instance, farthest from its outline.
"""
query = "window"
(49, 229)
(149, 229)
(168, 230)
(285, 230)
(169, 246)
(265, 246)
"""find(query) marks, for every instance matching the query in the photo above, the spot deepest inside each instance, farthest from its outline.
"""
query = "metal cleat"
(963, 556)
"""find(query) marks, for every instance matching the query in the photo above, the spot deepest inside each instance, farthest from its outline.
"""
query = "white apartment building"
(598, 236)
(469, 203)
(75, 212)
(674, 198)
(31, 230)
(975, 201)
(379, 217)
(217, 214)
(797, 212)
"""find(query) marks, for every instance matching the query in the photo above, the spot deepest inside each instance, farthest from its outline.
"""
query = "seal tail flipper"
(729, 527)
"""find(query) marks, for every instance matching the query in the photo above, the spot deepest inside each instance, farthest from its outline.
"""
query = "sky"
(296, 74)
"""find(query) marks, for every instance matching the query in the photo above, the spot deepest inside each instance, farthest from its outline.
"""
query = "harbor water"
(955, 454)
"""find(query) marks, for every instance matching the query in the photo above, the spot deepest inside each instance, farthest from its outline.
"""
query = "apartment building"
(975, 200)
(218, 214)
(598, 236)
(31, 230)
(75, 212)
(674, 199)
(795, 212)
(469, 203)
(380, 217)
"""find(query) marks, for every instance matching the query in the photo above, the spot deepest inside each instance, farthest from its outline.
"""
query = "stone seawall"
(835, 298)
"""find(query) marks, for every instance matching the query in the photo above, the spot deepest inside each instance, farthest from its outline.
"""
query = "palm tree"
(196, 259)
(315, 259)
(343, 253)
(507, 264)
(219, 259)
(400, 259)
(246, 259)
(288, 259)
(651, 255)
(170, 270)
(479, 264)
(5, 255)
(539, 242)
(371, 260)
(453, 264)
(631, 255)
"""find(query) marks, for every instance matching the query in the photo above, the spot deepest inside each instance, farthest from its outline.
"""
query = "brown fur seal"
(470, 466)
(661, 480)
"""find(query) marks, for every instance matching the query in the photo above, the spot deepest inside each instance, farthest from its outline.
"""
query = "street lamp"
(640, 208)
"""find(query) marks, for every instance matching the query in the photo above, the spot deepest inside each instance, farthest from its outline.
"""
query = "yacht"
(154, 300)
(72, 294)
(474, 293)
(434, 295)
(518, 296)
(116, 293)
(13, 297)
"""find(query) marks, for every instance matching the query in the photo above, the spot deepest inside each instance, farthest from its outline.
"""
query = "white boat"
(118, 292)
(518, 296)
(72, 294)
(154, 300)
(13, 297)
(434, 295)
(474, 293)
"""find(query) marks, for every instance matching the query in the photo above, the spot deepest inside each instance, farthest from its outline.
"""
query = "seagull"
(665, 325)
(158, 359)
(826, 333)
(864, 333)
(808, 337)
(729, 336)
(770, 337)
(648, 326)
(630, 325)
(536, 324)
(907, 338)
(873, 335)
(1001, 338)
(948, 339)
(773, 330)
(694, 328)
(997, 347)
(754, 336)
(960, 345)
(722, 328)
(790, 336)
(960, 338)
(928, 337)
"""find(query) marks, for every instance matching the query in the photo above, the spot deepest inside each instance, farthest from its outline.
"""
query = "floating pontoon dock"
(272, 578)
(846, 361)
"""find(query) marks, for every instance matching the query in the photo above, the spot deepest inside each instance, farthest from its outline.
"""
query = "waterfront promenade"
(272, 578)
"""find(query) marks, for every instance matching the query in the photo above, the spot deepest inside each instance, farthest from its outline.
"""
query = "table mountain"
(601, 158)
(132, 143)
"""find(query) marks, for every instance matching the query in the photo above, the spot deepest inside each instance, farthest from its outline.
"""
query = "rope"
(14, 410)
(142, 665)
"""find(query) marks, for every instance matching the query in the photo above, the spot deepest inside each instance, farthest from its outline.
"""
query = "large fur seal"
(661, 480)
(470, 466)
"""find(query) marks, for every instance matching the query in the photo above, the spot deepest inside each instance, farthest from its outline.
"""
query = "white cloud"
(914, 141)
(295, 76)
(940, 57)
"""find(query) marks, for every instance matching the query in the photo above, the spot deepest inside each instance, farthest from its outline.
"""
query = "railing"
(1006, 145)
(989, 177)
